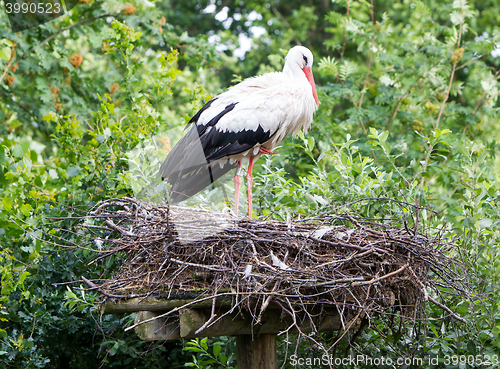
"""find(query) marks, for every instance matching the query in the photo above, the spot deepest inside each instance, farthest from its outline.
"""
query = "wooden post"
(256, 352)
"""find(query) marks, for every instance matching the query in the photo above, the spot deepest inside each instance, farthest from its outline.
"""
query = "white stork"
(248, 120)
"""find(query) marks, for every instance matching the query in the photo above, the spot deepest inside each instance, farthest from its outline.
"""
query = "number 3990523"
(48, 8)
(474, 360)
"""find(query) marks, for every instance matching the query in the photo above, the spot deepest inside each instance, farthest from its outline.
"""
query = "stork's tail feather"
(187, 169)
(190, 181)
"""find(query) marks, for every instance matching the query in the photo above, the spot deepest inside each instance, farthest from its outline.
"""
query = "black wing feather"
(193, 163)
(217, 145)
(195, 118)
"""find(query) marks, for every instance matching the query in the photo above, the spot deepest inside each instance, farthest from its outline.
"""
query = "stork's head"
(303, 58)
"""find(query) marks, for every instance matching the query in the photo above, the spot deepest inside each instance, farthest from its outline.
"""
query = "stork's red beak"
(310, 78)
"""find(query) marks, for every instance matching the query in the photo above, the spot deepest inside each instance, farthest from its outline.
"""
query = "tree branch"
(447, 309)
(396, 109)
(11, 98)
(470, 61)
(76, 24)
(8, 65)
(451, 79)
(447, 95)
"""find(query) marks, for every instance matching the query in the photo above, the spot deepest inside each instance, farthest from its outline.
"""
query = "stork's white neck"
(295, 73)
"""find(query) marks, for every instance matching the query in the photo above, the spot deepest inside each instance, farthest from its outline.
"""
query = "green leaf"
(70, 294)
(203, 343)
(310, 143)
(27, 249)
(25, 209)
(25, 145)
(6, 42)
(23, 276)
(53, 174)
(383, 136)
(471, 347)
(459, 4)
(217, 349)
(485, 223)
(347, 69)
(17, 151)
(49, 117)
(193, 349)
(328, 66)
(27, 163)
(223, 359)
(204, 363)
(73, 171)
(38, 181)
(456, 18)
(5, 53)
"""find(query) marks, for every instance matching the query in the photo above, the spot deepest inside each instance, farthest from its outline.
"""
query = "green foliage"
(69, 117)
(208, 353)
(82, 304)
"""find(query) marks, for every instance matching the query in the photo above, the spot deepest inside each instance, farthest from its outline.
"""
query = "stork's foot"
(265, 151)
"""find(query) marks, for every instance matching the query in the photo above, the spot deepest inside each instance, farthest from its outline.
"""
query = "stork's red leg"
(249, 185)
(237, 182)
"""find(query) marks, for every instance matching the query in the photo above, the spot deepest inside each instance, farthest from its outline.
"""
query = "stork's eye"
(305, 58)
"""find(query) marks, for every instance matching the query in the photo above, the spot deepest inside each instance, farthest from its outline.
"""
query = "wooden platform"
(169, 319)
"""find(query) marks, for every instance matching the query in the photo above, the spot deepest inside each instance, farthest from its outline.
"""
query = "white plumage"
(248, 120)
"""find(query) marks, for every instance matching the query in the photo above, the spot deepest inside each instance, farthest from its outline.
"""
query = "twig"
(470, 61)
(209, 267)
(396, 109)
(444, 307)
(110, 295)
(212, 317)
(352, 322)
(8, 65)
(372, 281)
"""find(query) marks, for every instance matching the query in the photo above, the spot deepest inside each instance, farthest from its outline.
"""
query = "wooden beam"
(238, 323)
(157, 305)
(256, 352)
(158, 329)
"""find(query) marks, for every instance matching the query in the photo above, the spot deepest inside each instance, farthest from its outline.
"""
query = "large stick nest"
(353, 265)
